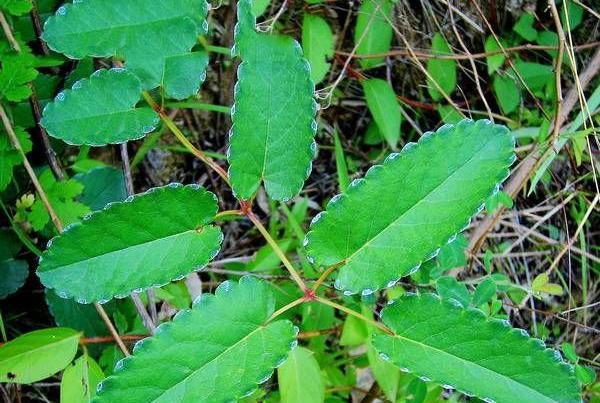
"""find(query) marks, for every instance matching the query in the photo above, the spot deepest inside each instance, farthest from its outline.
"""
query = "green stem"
(199, 105)
(290, 268)
(359, 315)
(286, 308)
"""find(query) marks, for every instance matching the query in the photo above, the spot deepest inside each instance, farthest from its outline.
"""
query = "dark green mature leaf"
(373, 32)
(143, 32)
(403, 211)
(37, 355)
(382, 102)
(220, 350)
(184, 74)
(300, 379)
(272, 138)
(13, 272)
(156, 237)
(443, 71)
(101, 186)
(462, 348)
(100, 110)
(317, 41)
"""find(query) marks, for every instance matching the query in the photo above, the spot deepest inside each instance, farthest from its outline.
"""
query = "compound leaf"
(218, 351)
(16, 72)
(145, 33)
(37, 355)
(485, 357)
(317, 41)
(272, 138)
(151, 239)
(373, 33)
(403, 211)
(100, 110)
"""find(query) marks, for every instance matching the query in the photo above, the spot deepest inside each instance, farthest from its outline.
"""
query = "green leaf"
(443, 71)
(450, 289)
(61, 195)
(184, 74)
(143, 34)
(507, 92)
(272, 138)
(535, 75)
(574, 13)
(13, 274)
(317, 41)
(9, 157)
(354, 332)
(260, 6)
(340, 163)
(16, 7)
(300, 378)
(382, 102)
(585, 375)
(37, 355)
(496, 61)
(217, 351)
(153, 238)
(101, 186)
(484, 357)
(79, 381)
(484, 292)
(524, 27)
(542, 285)
(373, 18)
(403, 211)
(100, 110)
(16, 72)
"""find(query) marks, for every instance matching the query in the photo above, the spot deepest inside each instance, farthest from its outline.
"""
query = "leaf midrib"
(472, 363)
(433, 190)
(259, 328)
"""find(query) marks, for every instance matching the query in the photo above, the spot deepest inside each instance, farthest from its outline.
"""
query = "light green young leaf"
(218, 351)
(16, 72)
(100, 110)
(484, 292)
(376, 32)
(450, 289)
(443, 71)
(574, 13)
(507, 92)
(398, 216)
(142, 33)
(496, 61)
(61, 195)
(382, 102)
(317, 41)
(156, 237)
(272, 138)
(340, 163)
(79, 381)
(260, 6)
(184, 74)
(535, 75)
(16, 7)
(524, 27)
(300, 378)
(480, 356)
(37, 355)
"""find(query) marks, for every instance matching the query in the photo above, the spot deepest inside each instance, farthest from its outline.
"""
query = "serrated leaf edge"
(104, 299)
(553, 354)
(79, 84)
(373, 170)
(312, 151)
(204, 299)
